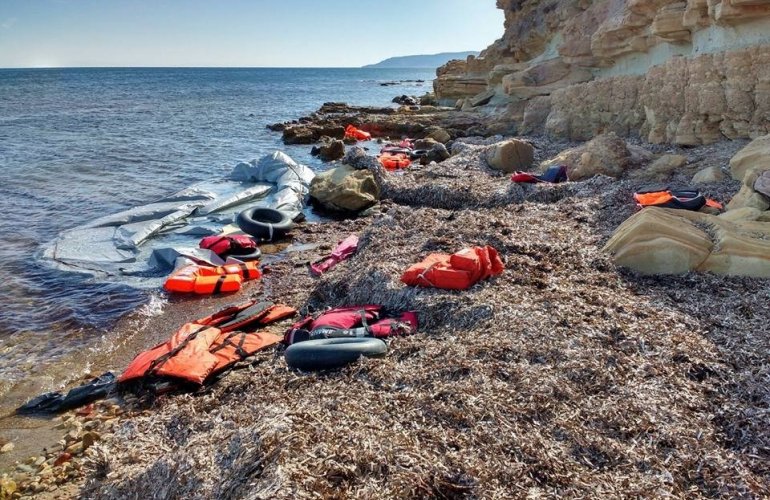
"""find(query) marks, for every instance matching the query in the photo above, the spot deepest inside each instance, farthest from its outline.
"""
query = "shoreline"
(552, 314)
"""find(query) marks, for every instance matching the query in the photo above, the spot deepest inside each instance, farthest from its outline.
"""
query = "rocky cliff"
(686, 72)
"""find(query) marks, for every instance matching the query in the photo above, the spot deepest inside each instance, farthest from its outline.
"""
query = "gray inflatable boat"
(143, 244)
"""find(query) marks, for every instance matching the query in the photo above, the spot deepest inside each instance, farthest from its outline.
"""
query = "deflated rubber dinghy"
(145, 243)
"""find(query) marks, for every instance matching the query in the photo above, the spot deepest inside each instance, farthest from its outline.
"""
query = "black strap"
(218, 286)
(365, 323)
(228, 341)
(246, 271)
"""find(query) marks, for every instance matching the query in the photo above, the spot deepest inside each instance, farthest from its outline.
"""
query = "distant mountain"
(422, 61)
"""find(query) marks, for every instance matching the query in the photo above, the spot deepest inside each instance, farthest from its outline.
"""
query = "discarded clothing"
(553, 175)
(684, 199)
(352, 322)
(207, 346)
(344, 250)
(458, 271)
(55, 402)
(204, 280)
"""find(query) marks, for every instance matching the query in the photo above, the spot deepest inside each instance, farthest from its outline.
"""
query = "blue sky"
(325, 33)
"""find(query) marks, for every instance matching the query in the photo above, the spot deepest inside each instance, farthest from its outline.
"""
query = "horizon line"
(368, 66)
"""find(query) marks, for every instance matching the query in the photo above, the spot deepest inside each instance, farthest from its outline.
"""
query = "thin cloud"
(8, 23)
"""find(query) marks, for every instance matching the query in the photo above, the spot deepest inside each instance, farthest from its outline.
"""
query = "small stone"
(7, 487)
(7, 448)
(25, 468)
(75, 449)
(63, 459)
(89, 438)
(708, 175)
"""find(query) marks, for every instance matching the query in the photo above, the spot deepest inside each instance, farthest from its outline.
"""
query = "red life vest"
(205, 280)
(458, 271)
(357, 133)
(354, 321)
(394, 161)
(209, 345)
(236, 243)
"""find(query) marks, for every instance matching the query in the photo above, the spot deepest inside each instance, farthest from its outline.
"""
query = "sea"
(77, 144)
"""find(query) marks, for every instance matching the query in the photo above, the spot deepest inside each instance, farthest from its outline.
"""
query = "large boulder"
(345, 189)
(755, 156)
(656, 241)
(607, 154)
(667, 241)
(510, 156)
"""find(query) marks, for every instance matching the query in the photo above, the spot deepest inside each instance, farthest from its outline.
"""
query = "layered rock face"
(686, 72)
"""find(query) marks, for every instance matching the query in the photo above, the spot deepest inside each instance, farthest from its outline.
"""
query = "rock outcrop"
(685, 72)
(666, 241)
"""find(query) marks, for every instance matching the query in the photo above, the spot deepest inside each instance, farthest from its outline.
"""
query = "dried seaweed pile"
(562, 377)
(463, 181)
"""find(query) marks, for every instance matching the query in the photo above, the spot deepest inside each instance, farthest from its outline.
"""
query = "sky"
(238, 33)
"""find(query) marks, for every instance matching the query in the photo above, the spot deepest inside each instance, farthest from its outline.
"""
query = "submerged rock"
(345, 189)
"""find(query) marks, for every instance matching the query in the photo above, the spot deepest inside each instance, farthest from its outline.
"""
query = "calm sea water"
(76, 144)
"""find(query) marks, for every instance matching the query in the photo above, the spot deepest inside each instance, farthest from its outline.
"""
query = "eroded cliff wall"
(687, 72)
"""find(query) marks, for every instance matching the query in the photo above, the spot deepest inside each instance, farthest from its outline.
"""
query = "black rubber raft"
(325, 354)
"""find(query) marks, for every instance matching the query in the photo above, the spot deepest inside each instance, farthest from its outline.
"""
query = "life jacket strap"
(218, 286)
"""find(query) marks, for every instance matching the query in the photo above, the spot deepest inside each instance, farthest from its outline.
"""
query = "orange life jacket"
(682, 199)
(458, 271)
(205, 280)
(357, 133)
(394, 161)
(209, 345)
